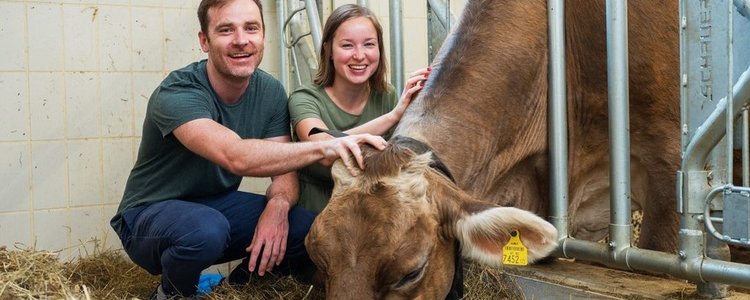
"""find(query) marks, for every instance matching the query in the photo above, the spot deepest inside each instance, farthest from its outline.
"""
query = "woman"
(349, 93)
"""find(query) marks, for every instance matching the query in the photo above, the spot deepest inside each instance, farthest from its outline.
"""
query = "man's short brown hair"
(208, 4)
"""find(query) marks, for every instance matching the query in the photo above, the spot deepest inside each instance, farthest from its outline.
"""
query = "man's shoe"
(159, 294)
(240, 276)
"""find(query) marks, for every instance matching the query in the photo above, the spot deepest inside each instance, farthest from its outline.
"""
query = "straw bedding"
(26, 273)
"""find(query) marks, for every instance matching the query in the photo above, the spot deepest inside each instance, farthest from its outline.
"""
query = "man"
(207, 125)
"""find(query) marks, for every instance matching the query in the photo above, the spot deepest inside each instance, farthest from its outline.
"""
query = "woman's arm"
(377, 126)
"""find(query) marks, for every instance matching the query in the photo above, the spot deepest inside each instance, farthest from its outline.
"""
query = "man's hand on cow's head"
(348, 147)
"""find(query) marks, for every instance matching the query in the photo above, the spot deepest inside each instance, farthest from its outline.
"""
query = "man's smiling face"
(234, 39)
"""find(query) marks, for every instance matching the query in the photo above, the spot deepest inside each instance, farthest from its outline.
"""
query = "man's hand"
(270, 236)
(342, 147)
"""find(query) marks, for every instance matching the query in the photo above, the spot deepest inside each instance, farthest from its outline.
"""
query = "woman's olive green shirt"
(311, 101)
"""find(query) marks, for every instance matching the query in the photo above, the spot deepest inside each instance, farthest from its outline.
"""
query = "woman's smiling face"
(355, 51)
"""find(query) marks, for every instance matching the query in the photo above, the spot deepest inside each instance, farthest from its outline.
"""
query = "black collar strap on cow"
(333, 133)
(415, 145)
(420, 148)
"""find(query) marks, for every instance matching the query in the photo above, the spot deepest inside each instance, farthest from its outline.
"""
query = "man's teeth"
(239, 55)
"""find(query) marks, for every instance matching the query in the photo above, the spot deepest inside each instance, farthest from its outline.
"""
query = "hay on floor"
(107, 274)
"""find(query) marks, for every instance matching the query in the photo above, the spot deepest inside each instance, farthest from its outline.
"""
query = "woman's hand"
(413, 85)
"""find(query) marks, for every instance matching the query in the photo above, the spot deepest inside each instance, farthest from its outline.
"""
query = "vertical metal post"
(745, 148)
(283, 51)
(314, 18)
(397, 46)
(558, 121)
(619, 131)
(362, 3)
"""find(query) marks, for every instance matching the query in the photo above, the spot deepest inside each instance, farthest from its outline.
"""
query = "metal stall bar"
(442, 11)
(362, 3)
(619, 131)
(304, 61)
(314, 20)
(284, 52)
(558, 120)
(439, 22)
(743, 7)
(397, 46)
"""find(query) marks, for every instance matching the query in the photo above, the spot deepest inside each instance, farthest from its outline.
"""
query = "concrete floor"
(566, 279)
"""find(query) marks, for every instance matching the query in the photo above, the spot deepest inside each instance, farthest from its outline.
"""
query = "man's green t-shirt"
(165, 169)
(311, 101)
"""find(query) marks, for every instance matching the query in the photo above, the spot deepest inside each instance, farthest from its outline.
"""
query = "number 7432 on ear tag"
(515, 253)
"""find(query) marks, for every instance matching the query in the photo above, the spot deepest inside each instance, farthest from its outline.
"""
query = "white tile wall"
(85, 184)
(12, 20)
(16, 230)
(46, 99)
(79, 1)
(114, 37)
(80, 37)
(109, 238)
(87, 222)
(181, 37)
(75, 78)
(117, 159)
(148, 48)
(49, 172)
(45, 32)
(143, 86)
(53, 229)
(15, 106)
(82, 118)
(15, 173)
(116, 104)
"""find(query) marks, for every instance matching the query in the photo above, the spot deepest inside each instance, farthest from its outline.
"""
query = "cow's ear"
(484, 230)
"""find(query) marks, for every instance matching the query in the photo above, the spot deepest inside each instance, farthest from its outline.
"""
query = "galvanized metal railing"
(690, 262)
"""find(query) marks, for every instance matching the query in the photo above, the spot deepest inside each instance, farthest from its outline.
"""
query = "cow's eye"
(411, 277)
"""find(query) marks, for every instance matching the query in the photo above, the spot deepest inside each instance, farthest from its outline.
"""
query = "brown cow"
(483, 111)
(391, 231)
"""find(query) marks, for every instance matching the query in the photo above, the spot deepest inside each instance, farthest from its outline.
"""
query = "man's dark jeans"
(179, 239)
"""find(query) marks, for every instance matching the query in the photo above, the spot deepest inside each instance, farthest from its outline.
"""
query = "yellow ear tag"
(515, 253)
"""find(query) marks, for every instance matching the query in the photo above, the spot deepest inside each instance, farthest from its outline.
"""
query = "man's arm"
(263, 158)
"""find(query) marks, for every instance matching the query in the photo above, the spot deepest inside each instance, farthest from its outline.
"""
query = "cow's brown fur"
(484, 111)
(398, 215)
(385, 236)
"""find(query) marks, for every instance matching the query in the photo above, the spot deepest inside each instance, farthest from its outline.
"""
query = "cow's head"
(391, 231)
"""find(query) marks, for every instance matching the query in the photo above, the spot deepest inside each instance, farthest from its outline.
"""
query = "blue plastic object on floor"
(207, 282)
